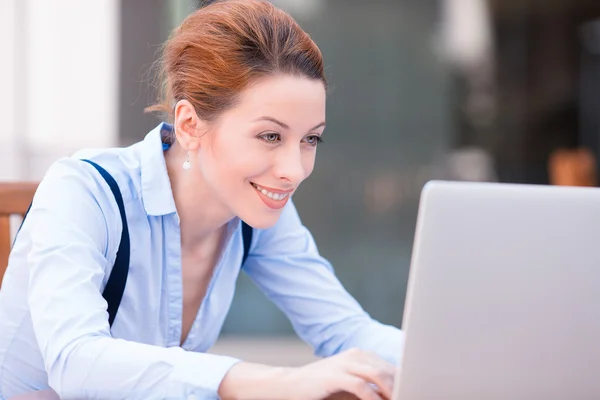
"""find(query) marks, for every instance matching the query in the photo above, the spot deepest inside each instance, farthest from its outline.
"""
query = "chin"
(263, 221)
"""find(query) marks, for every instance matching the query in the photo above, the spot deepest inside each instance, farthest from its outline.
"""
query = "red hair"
(220, 49)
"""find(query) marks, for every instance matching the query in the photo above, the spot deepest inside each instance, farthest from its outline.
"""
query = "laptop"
(503, 298)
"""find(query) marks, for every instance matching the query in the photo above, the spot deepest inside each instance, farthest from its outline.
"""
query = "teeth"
(271, 195)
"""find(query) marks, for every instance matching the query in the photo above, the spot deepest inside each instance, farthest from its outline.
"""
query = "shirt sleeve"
(285, 264)
(68, 225)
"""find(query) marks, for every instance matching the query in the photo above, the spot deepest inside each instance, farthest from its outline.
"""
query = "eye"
(270, 137)
(313, 140)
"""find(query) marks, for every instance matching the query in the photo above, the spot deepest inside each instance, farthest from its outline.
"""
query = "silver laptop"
(503, 298)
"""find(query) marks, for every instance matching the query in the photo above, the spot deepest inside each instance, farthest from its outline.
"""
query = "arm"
(284, 262)
(69, 224)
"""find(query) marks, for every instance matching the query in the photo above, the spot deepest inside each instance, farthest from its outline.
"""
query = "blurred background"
(479, 90)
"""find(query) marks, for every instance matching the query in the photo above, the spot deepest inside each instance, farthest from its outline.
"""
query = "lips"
(273, 198)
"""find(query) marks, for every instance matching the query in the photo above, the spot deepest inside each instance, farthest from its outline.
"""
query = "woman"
(245, 90)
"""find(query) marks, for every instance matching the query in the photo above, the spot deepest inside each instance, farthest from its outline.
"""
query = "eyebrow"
(283, 125)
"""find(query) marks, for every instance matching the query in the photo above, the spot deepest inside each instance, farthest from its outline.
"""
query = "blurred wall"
(62, 81)
(10, 166)
(145, 25)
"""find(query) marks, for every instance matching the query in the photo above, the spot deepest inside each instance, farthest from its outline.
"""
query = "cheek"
(225, 172)
(227, 169)
(223, 158)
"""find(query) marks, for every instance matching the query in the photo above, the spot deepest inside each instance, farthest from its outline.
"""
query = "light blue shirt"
(54, 329)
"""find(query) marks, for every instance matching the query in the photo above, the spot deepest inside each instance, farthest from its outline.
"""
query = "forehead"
(294, 100)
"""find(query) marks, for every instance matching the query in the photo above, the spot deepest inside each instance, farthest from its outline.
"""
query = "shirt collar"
(157, 195)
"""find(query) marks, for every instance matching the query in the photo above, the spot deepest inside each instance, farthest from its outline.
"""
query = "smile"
(271, 195)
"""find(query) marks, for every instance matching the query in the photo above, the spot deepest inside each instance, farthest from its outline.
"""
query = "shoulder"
(74, 176)
(74, 197)
(123, 164)
(73, 184)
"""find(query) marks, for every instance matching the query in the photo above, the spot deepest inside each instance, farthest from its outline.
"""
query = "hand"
(351, 375)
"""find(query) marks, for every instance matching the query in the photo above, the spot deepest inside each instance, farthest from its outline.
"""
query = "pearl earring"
(186, 163)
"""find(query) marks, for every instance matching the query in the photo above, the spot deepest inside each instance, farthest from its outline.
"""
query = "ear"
(188, 126)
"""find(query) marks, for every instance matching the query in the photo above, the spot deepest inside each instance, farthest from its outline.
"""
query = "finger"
(382, 377)
(361, 389)
(380, 363)
(383, 396)
(373, 368)
(368, 357)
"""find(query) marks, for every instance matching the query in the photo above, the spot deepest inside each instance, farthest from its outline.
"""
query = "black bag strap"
(115, 286)
(247, 238)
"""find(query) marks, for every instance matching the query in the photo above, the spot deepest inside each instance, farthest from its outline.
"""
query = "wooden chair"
(15, 198)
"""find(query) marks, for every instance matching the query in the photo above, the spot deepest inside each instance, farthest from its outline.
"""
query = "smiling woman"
(125, 267)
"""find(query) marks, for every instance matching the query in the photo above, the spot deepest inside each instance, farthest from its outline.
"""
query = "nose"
(291, 165)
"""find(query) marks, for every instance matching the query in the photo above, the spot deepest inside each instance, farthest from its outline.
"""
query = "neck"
(201, 213)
